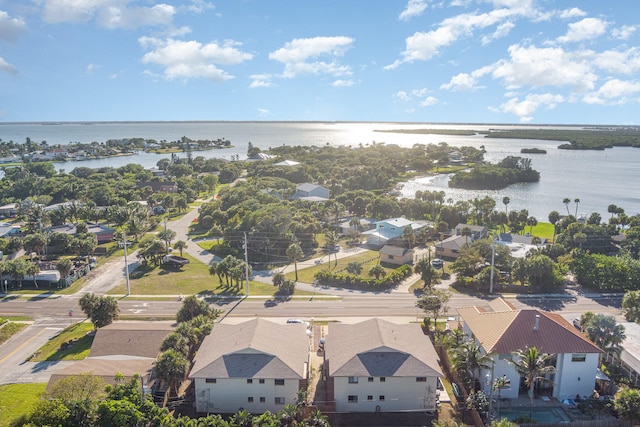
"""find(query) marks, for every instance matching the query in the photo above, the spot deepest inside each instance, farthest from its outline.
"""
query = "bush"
(325, 278)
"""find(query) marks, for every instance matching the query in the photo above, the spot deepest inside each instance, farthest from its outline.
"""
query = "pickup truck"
(175, 261)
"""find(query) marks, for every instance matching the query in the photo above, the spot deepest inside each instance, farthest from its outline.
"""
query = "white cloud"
(109, 14)
(199, 6)
(297, 53)
(402, 95)
(536, 67)
(429, 101)
(261, 80)
(624, 32)
(572, 13)
(5, 66)
(192, 59)
(11, 28)
(524, 109)
(93, 67)
(618, 61)
(343, 83)
(502, 31)
(613, 92)
(585, 29)
(423, 46)
(263, 112)
(413, 8)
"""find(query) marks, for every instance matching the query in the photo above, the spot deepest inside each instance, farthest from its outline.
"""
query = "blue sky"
(490, 61)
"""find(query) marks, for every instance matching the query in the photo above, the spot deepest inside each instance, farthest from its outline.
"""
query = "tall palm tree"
(534, 367)
(180, 245)
(33, 270)
(506, 200)
(294, 253)
(566, 202)
(577, 202)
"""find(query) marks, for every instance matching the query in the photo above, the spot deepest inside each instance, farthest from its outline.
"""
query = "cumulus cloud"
(525, 108)
(109, 14)
(429, 101)
(537, 67)
(192, 59)
(402, 95)
(466, 81)
(572, 13)
(11, 28)
(614, 91)
(298, 54)
(413, 8)
(624, 32)
(6, 67)
(501, 31)
(585, 29)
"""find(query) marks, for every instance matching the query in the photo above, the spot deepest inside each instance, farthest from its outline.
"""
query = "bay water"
(596, 178)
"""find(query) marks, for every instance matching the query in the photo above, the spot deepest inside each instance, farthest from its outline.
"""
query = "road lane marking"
(23, 344)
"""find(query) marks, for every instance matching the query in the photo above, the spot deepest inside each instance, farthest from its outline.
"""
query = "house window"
(353, 380)
(210, 380)
(353, 398)
(279, 400)
(370, 397)
(381, 398)
(579, 357)
(370, 379)
(262, 399)
(250, 399)
(261, 380)
(421, 379)
(249, 381)
(383, 379)
(279, 382)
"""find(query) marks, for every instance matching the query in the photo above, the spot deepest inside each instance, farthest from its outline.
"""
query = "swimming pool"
(543, 415)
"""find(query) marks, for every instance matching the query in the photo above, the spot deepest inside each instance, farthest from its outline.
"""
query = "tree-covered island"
(509, 171)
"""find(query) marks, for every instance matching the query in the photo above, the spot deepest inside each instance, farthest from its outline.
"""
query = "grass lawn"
(79, 350)
(368, 260)
(18, 399)
(544, 230)
(10, 329)
(193, 278)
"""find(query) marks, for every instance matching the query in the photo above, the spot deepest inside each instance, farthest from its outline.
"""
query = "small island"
(533, 151)
(510, 170)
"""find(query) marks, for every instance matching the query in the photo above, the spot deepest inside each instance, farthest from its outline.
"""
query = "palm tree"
(331, 239)
(531, 222)
(612, 209)
(566, 202)
(534, 367)
(180, 245)
(426, 271)
(466, 232)
(577, 202)
(470, 358)
(172, 367)
(408, 236)
(33, 270)
(377, 271)
(294, 253)
(554, 217)
(506, 200)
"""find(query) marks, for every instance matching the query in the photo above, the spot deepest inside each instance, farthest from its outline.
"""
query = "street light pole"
(166, 241)
(493, 257)
(246, 262)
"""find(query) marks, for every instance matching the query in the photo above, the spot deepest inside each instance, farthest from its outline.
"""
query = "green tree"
(506, 200)
(605, 332)
(193, 307)
(434, 303)
(426, 271)
(627, 403)
(180, 245)
(377, 271)
(566, 202)
(49, 413)
(354, 267)
(172, 367)
(64, 266)
(469, 357)
(534, 367)
(554, 217)
(631, 306)
(101, 310)
(294, 253)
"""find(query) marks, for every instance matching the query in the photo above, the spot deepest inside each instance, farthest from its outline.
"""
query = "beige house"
(256, 365)
(396, 255)
(451, 247)
(377, 365)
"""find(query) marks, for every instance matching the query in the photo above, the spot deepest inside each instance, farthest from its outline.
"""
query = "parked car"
(437, 263)
(296, 320)
(576, 323)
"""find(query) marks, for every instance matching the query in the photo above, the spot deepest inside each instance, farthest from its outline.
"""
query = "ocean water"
(597, 178)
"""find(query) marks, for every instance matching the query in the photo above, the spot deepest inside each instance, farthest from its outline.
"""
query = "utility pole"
(126, 264)
(166, 241)
(493, 257)
(246, 262)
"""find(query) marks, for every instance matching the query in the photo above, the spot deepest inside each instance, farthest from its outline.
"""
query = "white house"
(396, 255)
(500, 329)
(387, 230)
(256, 365)
(377, 365)
(312, 192)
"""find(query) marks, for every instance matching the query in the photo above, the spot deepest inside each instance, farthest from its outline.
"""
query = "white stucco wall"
(501, 367)
(229, 395)
(575, 377)
(400, 394)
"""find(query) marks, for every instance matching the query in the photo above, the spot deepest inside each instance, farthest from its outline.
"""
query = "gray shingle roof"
(254, 349)
(130, 338)
(376, 347)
